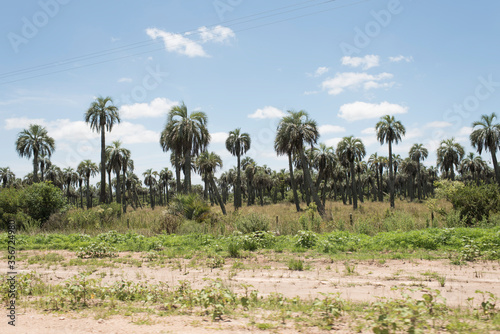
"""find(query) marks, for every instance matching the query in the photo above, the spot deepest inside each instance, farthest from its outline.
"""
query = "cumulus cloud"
(400, 58)
(320, 71)
(353, 80)
(267, 112)
(438, 124)
(157, 108)
(122, 80)
(218, 137)
(327, 128)
(362, 110)
(365, 62)
(182, 44)
(465, 131)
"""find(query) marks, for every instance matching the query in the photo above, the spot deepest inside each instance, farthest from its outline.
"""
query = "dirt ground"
(361, 281)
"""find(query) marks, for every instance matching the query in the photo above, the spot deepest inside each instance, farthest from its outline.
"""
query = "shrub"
(96, 250)
(253, 222)
(169, 223)
(475, 202)
(42, 199)
(306, 239)
(191, 207)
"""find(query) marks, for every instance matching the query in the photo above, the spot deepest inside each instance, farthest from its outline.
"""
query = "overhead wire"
(132, 46)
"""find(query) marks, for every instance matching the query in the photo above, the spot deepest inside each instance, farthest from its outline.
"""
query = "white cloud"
(267, 112)
(366, 62)
(183, 45)
(177, 43)
(327, 128)
(465, 131)
(65, 131)
(157, 108)
(311, 92)
(399, 58)
(368, 131)
(320, 71)
(218, 34)
(218, 137)
(333, 142)
(121, 80)
(413, 132)
(438, 124)
(352, 80)
(362, 110)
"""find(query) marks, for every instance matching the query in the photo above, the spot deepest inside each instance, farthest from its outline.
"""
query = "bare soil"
(360, 281)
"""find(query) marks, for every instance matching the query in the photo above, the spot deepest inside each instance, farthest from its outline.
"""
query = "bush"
(191, 207)
(475, 202)
(41, 200)
(253, 222)
(306, 239)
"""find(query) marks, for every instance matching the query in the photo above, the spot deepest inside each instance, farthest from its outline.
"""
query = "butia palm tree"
(35, 142)
(449, 155)
(351, 149)
(207, 165)
(238, 144)
(87, 168)
(7, 176)
(118, 159)
(487, 137)
(187, 135)
(150, 181)
(418, 153)
(300, 130)
(390, 131)
(101, 116)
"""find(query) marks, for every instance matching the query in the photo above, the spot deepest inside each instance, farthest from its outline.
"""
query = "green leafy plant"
(96, 250)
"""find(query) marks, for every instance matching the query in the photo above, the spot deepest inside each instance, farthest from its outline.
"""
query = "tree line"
(316, 172)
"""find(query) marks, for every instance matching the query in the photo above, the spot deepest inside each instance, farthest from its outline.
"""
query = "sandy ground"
(366, 281)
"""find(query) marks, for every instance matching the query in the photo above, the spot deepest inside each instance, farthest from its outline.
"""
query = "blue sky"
(432, 64)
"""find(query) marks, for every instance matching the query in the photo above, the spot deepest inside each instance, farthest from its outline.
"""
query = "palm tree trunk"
(310, 184)
(237, 192)
(35, 167)
(495, 164)
(353, 187)
(292, 181)
(419, 184)
(391, 175)
(151, 197)
(110, 188)
(88, 193)
(187, 172)
(217, 196)
(102, 195)
(118, 188)
(381, 183)
(177, 173)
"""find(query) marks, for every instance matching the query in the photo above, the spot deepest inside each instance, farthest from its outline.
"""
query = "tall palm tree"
(101, 116)
(374, 162)
(300, 130)
(170, 142)
(186, 134)
(54, 175)
(118, 158)
(7, 176)
(390, 131)
(351, 149)
(283, 146)
(449, 155)
(487, 136)
(44, 164)
(165, 176)
(150, 181)
(35, 142)
(207, 165)
(418, 153)
(87, 168)
(238, 144)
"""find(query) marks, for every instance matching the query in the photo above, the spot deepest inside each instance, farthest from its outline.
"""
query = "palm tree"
(87, 168)
(102, 116)
(150, 181)
(35, 142)
(351, 149)
(374, 162)
(238, 144)
(165, 177)
(449, 154)
(185, 134)
(207, 165)
(70, 178)
(118, 159)
(487, 136)
(299, 130)
(54, 175)
(7, 176)
(418, 153)
(283, 146)
(388, 131)
(44, 164)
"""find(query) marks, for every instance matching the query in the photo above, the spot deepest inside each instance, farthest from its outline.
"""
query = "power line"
(150, 42)
(131, 47)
